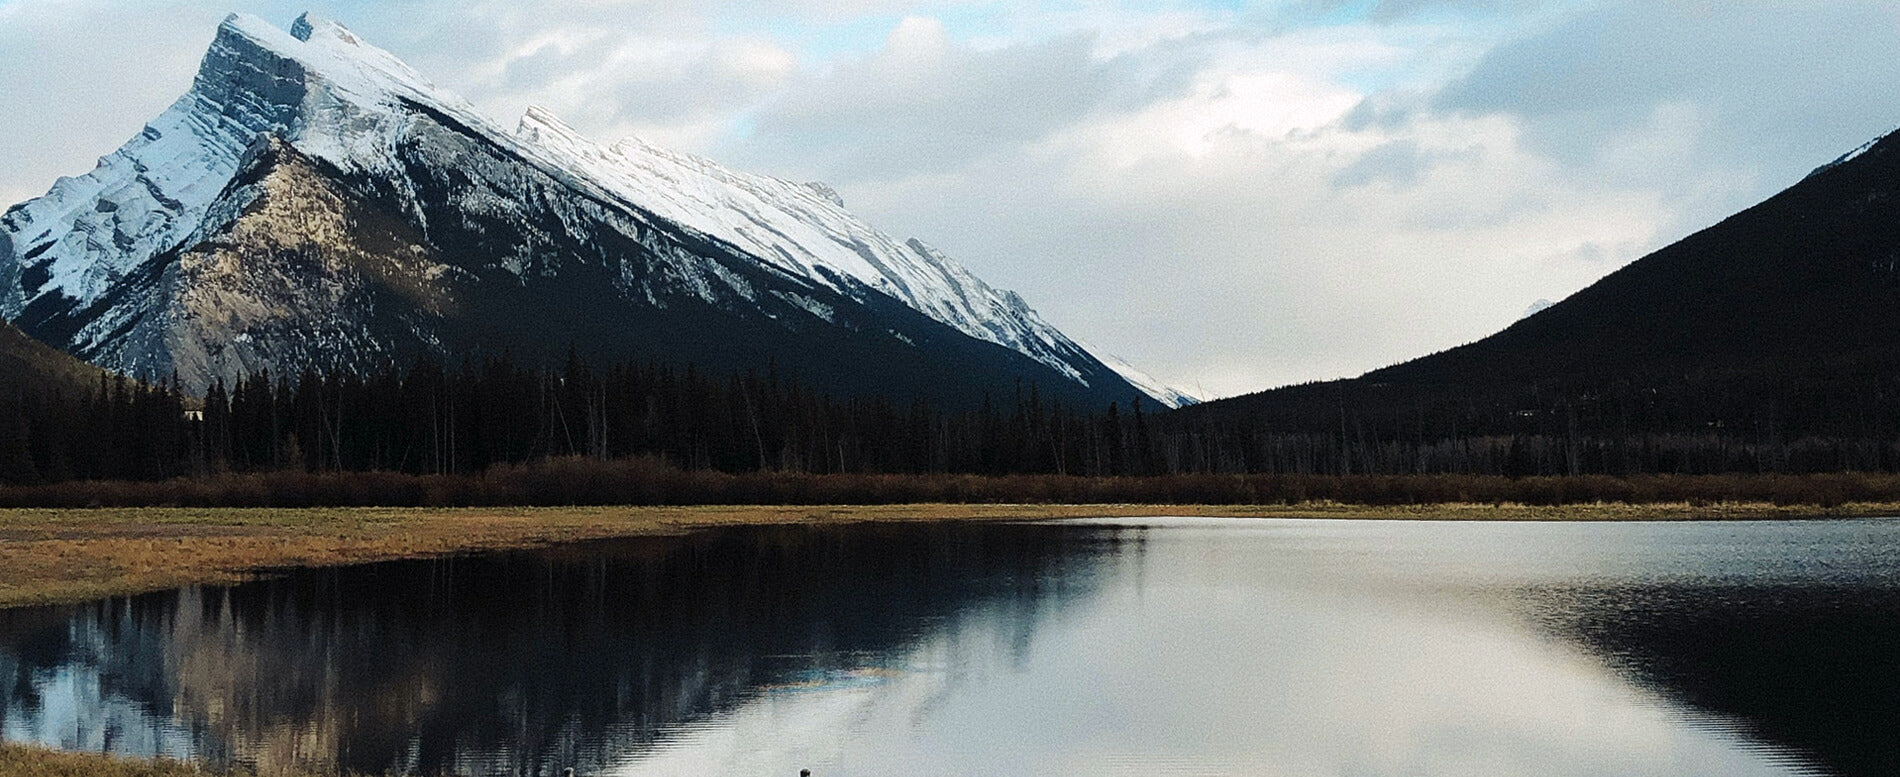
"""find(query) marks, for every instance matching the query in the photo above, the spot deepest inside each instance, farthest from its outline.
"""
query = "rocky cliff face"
(313, 201)
(290, 269)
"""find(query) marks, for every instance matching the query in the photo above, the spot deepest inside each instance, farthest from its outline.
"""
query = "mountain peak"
(824, 190)
(247, 24)
(736, 266)
(329, 52)
(302, 28)
(310, 25)
(255, 29)
(540, 125)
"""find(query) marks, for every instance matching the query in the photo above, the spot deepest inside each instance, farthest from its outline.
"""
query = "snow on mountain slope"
(88, 231)
(1169, 396)
(803, 230)
(333, 96)
(1847, 157)
(350, 105)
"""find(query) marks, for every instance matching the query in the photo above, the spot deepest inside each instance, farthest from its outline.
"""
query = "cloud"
(1232, 196)
(1399, 162)
(79, 78)
(671, 90)
(1396, 11)
(926, 103)
(1242, 233)
(1780, 86)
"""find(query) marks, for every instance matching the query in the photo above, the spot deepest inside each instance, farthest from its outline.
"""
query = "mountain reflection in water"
(511, 664)
(1813, 667)
(1157, 647)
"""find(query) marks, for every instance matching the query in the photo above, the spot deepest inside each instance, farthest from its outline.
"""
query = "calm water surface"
(1114, 647)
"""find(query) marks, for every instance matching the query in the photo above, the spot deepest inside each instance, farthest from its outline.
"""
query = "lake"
(1165, 646)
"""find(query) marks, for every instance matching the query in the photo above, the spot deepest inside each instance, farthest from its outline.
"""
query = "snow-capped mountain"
(314, 201)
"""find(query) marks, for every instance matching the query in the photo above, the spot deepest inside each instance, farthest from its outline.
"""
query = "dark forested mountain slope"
(1780, 323)
(1808, 277)
(28, 365)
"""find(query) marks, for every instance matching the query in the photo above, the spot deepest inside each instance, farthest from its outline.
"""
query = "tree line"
(432, 419)
(1841, 416)
(435, 420)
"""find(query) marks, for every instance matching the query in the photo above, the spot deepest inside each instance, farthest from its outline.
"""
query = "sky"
(1230, 195)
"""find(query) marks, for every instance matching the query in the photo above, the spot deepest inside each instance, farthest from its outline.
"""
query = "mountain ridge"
(1775, 324)
(74, 262)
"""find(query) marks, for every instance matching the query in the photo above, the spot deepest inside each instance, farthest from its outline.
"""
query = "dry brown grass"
(68, 555)
(23, 761)
(31, 761)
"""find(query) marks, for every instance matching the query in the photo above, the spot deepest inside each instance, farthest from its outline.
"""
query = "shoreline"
(28, 760)
(67, 556)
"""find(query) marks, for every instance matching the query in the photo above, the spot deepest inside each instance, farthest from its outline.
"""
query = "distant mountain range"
(1781, 322)
(312, 201)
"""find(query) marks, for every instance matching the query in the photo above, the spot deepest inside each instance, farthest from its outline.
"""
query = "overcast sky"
(1231, 195)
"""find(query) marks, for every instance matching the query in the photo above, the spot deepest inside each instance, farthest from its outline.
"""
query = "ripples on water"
(1137, 647)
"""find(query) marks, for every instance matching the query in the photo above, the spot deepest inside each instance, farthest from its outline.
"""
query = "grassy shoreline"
(35, 761)
(54, 556)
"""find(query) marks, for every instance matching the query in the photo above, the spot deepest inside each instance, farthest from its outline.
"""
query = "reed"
(651, 482)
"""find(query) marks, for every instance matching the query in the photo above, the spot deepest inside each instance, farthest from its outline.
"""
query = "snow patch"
(1849, 156)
